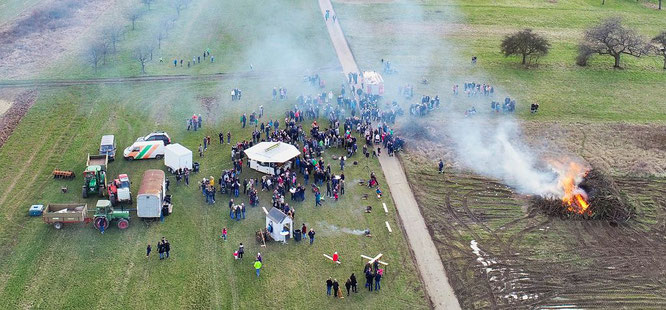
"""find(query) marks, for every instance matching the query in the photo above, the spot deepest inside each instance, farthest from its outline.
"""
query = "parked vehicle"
(94, 177)
(108, 147)
(177, 157)
(152, 200)
(156, 136)
(60, 214)
(144, 150)
(105, 214)
(119, 190)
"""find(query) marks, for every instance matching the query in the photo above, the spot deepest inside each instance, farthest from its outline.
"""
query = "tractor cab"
(105, 214)
(94, 178)
(119, 190)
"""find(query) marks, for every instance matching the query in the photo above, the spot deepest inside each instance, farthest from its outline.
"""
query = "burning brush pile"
(585, 194)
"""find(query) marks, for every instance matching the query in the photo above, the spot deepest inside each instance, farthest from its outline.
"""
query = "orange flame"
(574, 197)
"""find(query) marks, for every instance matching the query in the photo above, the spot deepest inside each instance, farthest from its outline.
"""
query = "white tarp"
(272, 152)
(372, 78)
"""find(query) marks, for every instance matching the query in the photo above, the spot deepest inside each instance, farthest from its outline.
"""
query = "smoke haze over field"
(418, 46)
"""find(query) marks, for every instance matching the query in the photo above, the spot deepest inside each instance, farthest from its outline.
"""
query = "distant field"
(436, 40)
(10, 9)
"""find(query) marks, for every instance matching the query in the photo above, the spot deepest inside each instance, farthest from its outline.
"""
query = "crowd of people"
(473, 89)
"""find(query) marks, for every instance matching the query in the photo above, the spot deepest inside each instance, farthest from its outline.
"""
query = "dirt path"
(139, 79)
(428, 261)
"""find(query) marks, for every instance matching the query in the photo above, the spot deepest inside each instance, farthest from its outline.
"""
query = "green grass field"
(436, 40)
(78, 267)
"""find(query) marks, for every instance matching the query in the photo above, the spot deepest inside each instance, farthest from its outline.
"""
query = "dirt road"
(428, 261)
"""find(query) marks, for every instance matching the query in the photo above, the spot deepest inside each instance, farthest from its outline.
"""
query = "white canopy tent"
(271, 157)
(373, 81)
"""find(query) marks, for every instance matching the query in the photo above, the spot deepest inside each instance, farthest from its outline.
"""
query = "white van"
(144, 150)
(151, 199)
(177, 157)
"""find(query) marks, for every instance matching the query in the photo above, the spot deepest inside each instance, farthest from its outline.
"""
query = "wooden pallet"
(63, 174)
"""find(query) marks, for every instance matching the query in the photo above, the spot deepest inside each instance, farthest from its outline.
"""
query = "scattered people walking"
(348, 286)
(224, 234)
(329, 286)
(311, 234)
(441, 166)
(148, 250)
(336, 288)
(354, 283)
(257, 266)
(167, 247)
(241, 251)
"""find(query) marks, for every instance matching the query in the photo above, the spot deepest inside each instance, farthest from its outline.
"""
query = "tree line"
(608, 38)
(110, 36)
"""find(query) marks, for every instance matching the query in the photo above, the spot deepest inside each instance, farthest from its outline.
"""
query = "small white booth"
(278, 224)
(271, 157)
(374, 83)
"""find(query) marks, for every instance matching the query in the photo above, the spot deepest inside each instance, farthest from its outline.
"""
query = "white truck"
(177, 157)
(152, 200)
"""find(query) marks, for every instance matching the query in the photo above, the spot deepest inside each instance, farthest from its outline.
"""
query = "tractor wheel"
(123, 224)
(57, 225)
(101, 221)
(84, 194)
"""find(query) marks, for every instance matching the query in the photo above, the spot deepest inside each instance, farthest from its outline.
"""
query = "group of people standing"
(163, 248)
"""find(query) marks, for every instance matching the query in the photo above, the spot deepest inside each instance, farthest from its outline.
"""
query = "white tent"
(372, 78)
(276, 221)
(271, 157)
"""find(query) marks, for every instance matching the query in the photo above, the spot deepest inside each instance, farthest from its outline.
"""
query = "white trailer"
(177, 157)
(150, 200)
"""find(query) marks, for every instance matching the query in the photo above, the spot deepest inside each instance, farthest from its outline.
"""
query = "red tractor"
(119, 190)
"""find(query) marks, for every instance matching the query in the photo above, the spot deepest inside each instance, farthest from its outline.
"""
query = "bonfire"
(585, 194)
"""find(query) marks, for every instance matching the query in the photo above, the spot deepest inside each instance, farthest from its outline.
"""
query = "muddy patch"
(15, 111)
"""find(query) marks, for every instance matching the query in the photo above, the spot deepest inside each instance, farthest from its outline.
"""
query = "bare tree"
(659, 45)
(113, 34)
(143, 54)
(179, 5)
(95, 53)
(166, 24)
(611, 38)
(133, 15)
(159, 35)
(147, 2)
(526, 44)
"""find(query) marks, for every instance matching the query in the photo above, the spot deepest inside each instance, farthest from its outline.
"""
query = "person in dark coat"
(148, 250)
(378, 278)
(336, 288)
(167, 247)
(368, 280)
(354, 283)
(241, 251)
(329, 285)
(348, 286)
(160, 249)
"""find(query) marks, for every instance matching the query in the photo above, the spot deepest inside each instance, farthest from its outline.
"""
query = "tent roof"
(152, 182)
(372, 78)
(272, 152)
(276, 215)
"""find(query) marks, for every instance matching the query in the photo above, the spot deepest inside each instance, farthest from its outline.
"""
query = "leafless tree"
(96, 52)
(613, 39)
(133, 15)
(659, 45)
(526, 44)
(179, 5)
(143, 54)
(159, 35)
(147, 2)
(113, 34)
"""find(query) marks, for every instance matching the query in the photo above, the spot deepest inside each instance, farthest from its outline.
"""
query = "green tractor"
(105, 214)
(94, 177)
